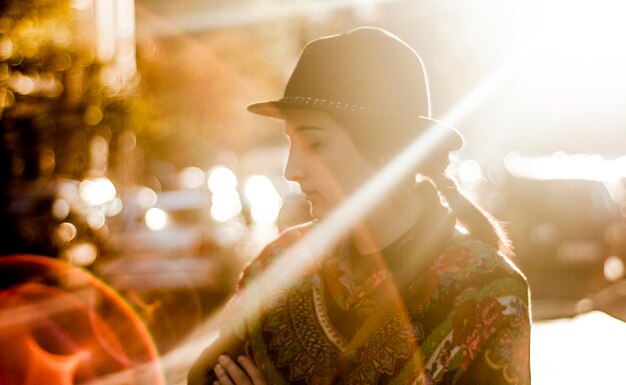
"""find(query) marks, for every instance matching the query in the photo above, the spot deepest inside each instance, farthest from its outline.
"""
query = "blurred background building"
(126, 150)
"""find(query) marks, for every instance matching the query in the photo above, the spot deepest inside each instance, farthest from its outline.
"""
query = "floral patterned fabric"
(462, 318)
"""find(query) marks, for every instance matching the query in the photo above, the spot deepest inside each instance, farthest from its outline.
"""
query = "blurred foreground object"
(59, 326)
(201, 372)
(68, 79)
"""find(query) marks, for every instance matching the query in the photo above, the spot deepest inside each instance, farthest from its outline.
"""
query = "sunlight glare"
(587, 349)
(470, 172)
(299, 257)
(565, 166)
(105, 29)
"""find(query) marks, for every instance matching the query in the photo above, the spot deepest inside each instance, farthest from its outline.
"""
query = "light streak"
(305, 252)
(311, 247)
(175, 362)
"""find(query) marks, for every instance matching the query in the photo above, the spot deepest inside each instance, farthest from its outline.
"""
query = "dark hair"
(371, 136)
(479, 222)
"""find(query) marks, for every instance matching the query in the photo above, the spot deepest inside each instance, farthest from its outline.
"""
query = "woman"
(407, 297)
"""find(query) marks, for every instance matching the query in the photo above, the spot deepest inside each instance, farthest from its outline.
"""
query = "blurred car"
(569, 235)
(172, 263)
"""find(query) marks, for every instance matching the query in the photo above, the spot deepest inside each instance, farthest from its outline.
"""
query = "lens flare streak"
(310, 248)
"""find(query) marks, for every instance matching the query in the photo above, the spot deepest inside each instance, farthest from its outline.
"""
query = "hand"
(242, 372)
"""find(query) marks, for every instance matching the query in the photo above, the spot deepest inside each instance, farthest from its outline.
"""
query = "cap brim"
(272, 109)
(276, 109)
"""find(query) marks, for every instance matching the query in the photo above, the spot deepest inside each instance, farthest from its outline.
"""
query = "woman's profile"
(420, 291)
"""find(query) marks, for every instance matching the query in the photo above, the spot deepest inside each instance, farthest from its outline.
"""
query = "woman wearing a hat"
(406, 298)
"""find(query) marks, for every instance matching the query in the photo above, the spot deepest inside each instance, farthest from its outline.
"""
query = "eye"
(310, 139)
(313, 145)
(310, 144)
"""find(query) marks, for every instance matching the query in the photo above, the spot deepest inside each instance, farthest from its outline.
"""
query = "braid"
(380, 147)
(478, 222)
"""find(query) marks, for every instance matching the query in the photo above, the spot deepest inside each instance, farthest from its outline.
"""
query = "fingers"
(222, 376)
(253, 371)
(229, 373)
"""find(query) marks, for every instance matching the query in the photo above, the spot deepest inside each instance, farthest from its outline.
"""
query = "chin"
(317, 212)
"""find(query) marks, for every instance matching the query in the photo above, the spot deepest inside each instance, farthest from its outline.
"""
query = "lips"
(310, 194)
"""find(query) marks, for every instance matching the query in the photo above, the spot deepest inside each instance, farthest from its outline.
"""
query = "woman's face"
(323, 160)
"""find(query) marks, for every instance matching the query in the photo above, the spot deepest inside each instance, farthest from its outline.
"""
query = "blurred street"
(134, 186)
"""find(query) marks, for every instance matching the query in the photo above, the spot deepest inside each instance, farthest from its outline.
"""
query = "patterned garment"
(463, 318)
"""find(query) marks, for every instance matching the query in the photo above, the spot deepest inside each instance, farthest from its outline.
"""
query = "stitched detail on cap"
(326, 103)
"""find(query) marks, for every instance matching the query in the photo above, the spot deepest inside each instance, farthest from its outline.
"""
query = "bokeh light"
(191, 177)
(60, 209)
(68, 190)
(221, 178)
(264, 200)
(156, 219)
(146, 197)
(97, 191)
(21, 84)
(114, 207)
(95, 219)
(81, 254)
(225, 200)
(470, 172)
(225, 204)
(6, 49)
(614, 268)
(66, 232)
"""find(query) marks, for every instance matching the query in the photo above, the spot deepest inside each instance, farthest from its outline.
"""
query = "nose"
(295, 167)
